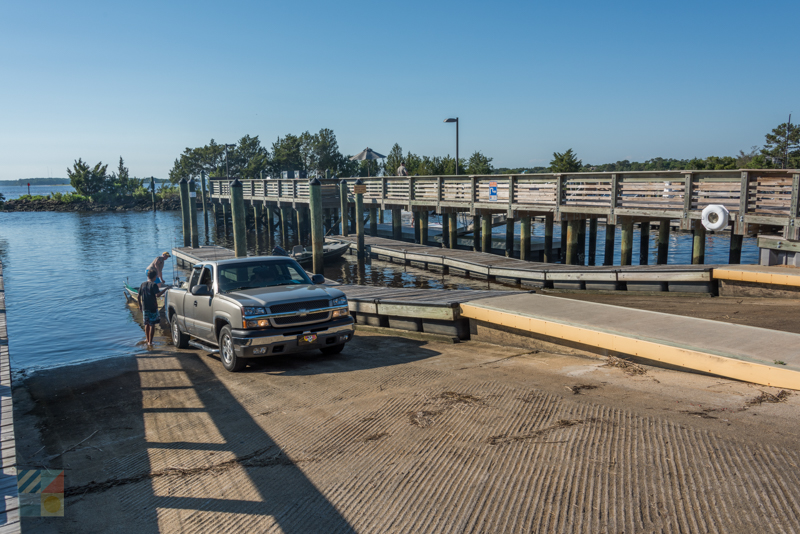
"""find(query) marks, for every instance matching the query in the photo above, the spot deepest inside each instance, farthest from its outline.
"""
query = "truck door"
(203, 317)
(187, 307)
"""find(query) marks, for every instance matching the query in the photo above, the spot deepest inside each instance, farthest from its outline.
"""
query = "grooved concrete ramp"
(746, 353)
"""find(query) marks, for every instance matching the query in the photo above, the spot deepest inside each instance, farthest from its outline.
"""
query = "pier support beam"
(626, 244)
(203, 191)
(582, 242)
(283, 215)
(343, 206)
(416, 215)
(562, 256)
(269, 215)
(476, 233)
(735, 255)
(453, 240)
(548, 239)
(445, 229)
(663, 242)
(510, 238)
(486, 234)
(193, 213)
(573, 229)
(302, 225)
(258, 212)
(317, 230)
(238, 214)
(153, 191)
(525, 238)
(373, 222)
(611, 236)
(592, 240)
(423, 227)
(187, 228)
(644, 243)
(359, 216)
(698, 243)
(397, 224)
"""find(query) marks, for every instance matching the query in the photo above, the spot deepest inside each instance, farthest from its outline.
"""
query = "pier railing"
(763, 197)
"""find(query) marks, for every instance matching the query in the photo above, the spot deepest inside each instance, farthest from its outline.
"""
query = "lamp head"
(451, 120)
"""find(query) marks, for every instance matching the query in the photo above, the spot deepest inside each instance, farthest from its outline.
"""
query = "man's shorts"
(157, 280)
(151, 318)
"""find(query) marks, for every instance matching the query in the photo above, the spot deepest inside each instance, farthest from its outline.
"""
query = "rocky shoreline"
(170, 204)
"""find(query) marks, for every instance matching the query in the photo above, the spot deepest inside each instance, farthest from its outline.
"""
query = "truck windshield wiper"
(240, 288)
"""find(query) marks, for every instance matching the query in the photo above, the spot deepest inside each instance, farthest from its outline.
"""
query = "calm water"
(16, 191)
(63, 275)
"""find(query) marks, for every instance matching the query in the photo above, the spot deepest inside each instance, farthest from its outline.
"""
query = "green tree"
(121, 183)
(393, 160)
(565, 162)
(87, 181)
(783, 140)
(479, 164)
(248, 159)
(287, 154)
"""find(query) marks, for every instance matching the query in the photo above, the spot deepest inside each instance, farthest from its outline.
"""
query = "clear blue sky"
(613, 81)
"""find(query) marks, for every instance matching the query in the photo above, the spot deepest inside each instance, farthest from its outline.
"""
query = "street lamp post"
(227, 174)
(455, 121)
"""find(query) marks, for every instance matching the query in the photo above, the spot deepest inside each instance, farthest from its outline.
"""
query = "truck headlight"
(256, 323)
(249, 310)
(341, 301)
(341, 312)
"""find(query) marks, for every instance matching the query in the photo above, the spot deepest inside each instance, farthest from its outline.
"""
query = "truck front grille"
(296, 319)
(295, 306)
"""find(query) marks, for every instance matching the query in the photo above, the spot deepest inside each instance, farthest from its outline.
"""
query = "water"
(63, 275)
(16, 191)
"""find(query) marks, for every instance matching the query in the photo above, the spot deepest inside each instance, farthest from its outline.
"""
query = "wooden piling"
(397, 224)
(153, 191)
(238, 215)
(644, 243)
(269, 219)
(380, 216)
(476, 233)
(525, 238)
(582, 242)
(626, 245)
(359, 216)
(573, 229)
(187, 225)
(343, 206)
(283, 216)
(486, 234)
(562, 256)
(663, 242)
(698, 243)
(548, 239)
(193, 214)
(445, 229)
(453, 238)
(592, 240)
(735, 255)
(203, 191)
(373, 222)
(423, 227)
(317, 232)
(416, 216)
(301, 229)
(608, 256)
(510, 238)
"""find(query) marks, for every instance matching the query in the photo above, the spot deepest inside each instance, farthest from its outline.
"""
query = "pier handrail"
(753, 196)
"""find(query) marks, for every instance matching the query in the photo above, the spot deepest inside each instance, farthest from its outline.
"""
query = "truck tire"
(179, 339)
(331, 351)
(227, 354)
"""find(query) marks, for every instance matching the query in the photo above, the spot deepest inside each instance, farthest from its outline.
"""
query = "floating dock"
(9, 514)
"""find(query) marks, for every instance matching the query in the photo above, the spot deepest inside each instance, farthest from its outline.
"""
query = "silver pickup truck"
(259, 306)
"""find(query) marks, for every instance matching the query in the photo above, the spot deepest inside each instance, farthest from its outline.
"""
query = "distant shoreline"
(34, 181)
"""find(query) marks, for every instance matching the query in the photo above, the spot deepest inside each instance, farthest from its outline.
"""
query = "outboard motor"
(278, 251)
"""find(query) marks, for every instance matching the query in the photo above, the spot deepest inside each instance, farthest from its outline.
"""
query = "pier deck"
(9, 513)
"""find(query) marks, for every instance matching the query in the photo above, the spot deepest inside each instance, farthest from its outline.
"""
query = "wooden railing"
(767, 197)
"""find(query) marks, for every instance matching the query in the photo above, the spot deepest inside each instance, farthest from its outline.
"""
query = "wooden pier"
(9, 514)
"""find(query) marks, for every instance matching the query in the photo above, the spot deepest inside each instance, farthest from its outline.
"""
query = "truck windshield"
(253, 274)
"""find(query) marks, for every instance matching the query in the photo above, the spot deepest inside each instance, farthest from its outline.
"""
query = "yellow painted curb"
(690, 359)
(757, 277)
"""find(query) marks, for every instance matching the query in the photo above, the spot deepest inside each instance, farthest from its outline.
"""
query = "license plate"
(306, 339)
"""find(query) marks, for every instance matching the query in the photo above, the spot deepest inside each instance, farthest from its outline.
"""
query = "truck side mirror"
(200, 290)
(318, 279)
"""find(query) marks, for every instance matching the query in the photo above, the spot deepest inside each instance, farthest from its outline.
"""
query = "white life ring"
(715, 217)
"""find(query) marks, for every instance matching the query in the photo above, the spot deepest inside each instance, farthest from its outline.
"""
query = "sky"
(611, 80)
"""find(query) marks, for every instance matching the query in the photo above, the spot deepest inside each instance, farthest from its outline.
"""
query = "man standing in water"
(158, 266)
(148, 304)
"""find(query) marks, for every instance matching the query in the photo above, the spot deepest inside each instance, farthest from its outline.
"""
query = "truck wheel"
(230, 361)
(330, 351)
(179, 339)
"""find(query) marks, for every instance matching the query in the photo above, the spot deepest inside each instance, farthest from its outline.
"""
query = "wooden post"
(423, 227)
(380, 215)
(270, 225)
(626, 246)
(525, 238)
(203, 191)
(238, 214)
(373, 222)
(301, 230)
(735, 255)
(258, 210)
(353, 222)
(548, 239)
(611, 231)
(416, 215)
(453, 238)
(187, 225)
(397, 224)
(193, 214)
(563, 251)
(359, 216)
(153, 191)
(582, 242)
(698, 243)
(445, 229)
(592, 240)
(486, 234)
(644, 243)
(663, 242)
(510, 238)
(573, 228)
(317, 232)
(284, 223)
(343, 205)
(476, 231)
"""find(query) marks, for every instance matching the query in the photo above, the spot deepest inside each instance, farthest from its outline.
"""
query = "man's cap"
(167, 254)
